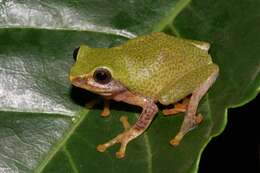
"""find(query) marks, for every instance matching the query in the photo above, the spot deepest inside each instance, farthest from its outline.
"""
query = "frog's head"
(94, 70)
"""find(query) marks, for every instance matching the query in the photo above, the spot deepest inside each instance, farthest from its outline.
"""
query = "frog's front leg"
(130, 133)
(106, 109)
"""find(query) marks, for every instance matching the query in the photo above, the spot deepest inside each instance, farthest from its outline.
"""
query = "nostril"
(80, 80)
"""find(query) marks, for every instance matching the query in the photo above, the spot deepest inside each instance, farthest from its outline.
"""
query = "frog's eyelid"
(99, 67)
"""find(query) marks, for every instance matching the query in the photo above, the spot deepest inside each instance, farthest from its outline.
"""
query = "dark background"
(237, 149)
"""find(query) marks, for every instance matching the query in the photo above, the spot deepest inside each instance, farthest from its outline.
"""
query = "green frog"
(144, 71)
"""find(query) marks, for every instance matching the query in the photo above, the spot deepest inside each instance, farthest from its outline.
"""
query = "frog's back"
(157, 60)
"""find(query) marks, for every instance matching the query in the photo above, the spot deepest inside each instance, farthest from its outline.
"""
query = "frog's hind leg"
(178, 107)
(191, 120)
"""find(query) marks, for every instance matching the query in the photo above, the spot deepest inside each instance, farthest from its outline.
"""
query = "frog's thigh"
(186, 85)
(190, 119)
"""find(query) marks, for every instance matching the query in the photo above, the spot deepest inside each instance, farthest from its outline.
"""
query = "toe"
(105, 113)
(174, 142)
(120, 154)
(125, 123)
(177, 139)
(199, 118)
(101, 148)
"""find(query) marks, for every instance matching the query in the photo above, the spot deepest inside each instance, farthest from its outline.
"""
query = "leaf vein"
(149, 153)
(98, 29)
(71, 162)
(173, 13)
(15, 160)
(209, 110)
(148, 150)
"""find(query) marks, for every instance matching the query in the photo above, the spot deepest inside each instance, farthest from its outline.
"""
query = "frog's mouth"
(88, 83)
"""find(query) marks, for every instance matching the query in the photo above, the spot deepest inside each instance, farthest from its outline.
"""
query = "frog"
(145, 71)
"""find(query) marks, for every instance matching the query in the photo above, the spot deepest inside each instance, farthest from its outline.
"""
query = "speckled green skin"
(159, 66)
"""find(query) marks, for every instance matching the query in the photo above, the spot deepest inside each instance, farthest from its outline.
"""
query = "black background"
(237, 149)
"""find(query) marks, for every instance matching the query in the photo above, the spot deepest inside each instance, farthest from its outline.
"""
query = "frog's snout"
(78, 80)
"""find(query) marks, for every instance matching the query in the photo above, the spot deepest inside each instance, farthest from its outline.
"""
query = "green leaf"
(43, 125)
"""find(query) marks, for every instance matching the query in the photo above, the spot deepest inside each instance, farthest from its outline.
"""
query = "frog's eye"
(102, 76)
(75, 53)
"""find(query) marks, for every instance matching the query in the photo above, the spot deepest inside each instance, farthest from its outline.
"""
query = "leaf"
(43, 126)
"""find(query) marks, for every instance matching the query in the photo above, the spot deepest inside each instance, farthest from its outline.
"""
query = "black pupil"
(75, 53)
(102, 76)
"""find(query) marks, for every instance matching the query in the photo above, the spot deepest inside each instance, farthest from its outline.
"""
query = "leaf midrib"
(108, 31)
(59, 144)
(71, 161)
